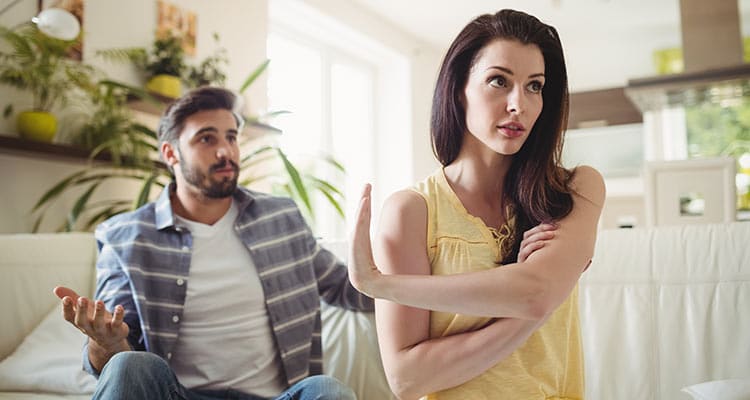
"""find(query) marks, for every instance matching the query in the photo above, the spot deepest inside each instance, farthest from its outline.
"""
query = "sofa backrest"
(664, 308)
(31, 265)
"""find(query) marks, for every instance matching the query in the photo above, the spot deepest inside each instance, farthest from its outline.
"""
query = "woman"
(461, 243)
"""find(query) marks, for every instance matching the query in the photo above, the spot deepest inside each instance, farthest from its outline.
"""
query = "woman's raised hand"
(363, 273)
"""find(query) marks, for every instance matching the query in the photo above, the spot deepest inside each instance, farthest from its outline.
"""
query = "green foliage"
(210, 71)
(166, 56)
(38, 63)
(716, 130)
(135, 156)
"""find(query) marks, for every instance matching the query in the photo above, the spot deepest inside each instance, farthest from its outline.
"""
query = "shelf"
(15, 144)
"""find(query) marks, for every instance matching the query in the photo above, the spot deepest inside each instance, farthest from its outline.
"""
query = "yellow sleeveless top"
(550, 364)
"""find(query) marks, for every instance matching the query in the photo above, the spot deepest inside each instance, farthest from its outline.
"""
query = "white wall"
(241, 25)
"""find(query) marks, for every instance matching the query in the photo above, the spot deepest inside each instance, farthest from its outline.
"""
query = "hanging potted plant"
(163, 65)
(39, 64)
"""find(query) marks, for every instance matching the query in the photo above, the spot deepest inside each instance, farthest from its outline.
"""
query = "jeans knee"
(129, 365)
(137, 375)
(329, 388)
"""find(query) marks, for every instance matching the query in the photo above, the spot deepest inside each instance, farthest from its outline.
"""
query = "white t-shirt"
(225, 339)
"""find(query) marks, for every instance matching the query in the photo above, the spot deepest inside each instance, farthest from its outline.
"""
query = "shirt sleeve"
(113, 288)
(333, 281)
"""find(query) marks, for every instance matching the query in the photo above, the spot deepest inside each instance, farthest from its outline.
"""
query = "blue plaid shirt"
(144, 265)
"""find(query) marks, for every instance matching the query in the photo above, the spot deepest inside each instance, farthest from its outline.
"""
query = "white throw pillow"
(729, 389)
(48, 360)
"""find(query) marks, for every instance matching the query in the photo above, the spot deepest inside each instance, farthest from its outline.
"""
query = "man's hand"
(106, 329)
(534, 239)
(363, 273)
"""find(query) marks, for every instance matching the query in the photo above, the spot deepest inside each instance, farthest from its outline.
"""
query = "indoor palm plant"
(151, 174)
(39, 64)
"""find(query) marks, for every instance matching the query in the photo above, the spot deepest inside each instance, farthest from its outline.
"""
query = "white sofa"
(662, 309)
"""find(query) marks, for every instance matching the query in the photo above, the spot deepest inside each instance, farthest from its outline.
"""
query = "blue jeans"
(142, 375)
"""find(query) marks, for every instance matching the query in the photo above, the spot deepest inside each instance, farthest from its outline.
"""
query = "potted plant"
(163, 65)
(210, 71)
(150, 172)
(38, 64)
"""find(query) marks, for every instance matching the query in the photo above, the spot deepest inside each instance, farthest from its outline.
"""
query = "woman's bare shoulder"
(588, 183)
(406, 202)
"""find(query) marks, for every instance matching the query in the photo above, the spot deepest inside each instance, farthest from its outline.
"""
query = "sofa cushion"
(728, 389)
(48, 360)
(31, 266)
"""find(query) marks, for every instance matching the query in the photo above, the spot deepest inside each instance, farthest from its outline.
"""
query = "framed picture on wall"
(176, 21)
(75, 7)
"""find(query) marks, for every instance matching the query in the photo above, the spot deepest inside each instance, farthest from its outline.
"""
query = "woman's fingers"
(361, 264)
(539, 228)
(534, 239)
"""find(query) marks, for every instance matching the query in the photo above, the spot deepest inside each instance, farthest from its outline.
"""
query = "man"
(212, 291)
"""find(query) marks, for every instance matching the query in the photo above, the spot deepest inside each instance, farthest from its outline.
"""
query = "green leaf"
(57, 189)
(80, 206)
(333, 202)
(254, 75)
(145, 191)
(297, 183)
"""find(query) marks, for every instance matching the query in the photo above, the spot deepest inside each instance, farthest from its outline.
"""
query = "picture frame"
(696, 191)
(75, 7)
(177, 21)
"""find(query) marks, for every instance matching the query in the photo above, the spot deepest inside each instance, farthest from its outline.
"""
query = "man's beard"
(208, 186)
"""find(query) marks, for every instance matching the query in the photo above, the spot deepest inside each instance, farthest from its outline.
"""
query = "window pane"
(295, 85)
(352, 127)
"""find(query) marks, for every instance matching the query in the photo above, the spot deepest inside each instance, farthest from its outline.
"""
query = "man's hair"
(197, 100)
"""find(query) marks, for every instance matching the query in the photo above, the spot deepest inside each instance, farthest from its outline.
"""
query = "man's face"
(208, 154)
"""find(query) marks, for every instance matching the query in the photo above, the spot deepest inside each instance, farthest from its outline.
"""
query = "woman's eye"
(497, 82)
(535, 87)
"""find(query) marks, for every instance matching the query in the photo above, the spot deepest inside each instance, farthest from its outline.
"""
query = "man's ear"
(169, 154)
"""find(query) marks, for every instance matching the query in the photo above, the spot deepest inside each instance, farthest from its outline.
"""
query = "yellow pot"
(37, 125)
(165, 85)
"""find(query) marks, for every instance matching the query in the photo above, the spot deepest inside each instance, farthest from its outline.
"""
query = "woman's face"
(503, 94)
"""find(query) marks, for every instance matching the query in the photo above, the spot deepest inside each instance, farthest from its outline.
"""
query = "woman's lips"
(511, 131)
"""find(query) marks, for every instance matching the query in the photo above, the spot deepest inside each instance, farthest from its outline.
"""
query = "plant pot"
(37, 125)
(165, 85)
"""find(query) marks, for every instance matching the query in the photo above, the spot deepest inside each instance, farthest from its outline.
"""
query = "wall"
(112, 24)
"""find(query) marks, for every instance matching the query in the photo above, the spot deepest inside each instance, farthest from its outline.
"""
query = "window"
(339, 107)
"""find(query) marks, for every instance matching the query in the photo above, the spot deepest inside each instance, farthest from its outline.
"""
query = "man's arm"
(117, 315)
(333, 282)
(106, 331)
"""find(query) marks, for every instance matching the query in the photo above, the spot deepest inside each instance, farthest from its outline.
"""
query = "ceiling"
(606, 42)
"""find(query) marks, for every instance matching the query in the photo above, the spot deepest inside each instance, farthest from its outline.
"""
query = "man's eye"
(497, 81)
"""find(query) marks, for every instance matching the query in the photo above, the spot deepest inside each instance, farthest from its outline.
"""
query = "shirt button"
(169, 356)
(180, 282)
(175, 319)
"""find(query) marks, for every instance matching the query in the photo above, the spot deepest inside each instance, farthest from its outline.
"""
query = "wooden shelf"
(19, 145)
